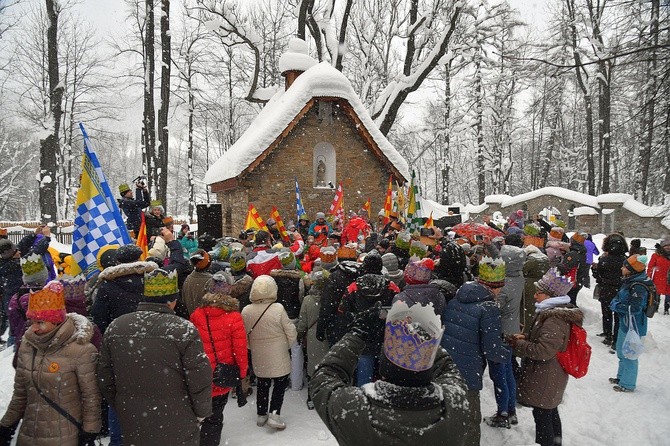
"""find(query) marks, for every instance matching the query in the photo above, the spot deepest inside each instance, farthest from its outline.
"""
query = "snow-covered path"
(591, 412)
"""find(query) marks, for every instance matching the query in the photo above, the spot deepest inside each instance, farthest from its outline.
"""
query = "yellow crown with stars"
(159, 283)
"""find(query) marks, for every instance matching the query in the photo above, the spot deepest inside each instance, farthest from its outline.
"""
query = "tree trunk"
(163, 133)
(191, 180)
(149, 119)
(588, 107)
(343, 35)
(648, 112)
(479, 118)
(49, 146)
(446, 139)
(604, 112)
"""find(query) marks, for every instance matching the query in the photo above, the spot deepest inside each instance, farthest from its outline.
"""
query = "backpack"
(653, 298)
(576, 357)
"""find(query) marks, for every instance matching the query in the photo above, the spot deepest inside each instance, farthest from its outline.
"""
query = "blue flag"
(98, 221)
(299, 209)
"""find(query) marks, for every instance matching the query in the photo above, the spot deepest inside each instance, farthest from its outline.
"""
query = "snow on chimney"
(295, 61)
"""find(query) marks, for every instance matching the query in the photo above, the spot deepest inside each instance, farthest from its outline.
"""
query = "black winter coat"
(121, 290)
(133, 208)
(576, 258)
(332, 325)
(290, 290)
(383, 413)
(10, 277)
(453, 265)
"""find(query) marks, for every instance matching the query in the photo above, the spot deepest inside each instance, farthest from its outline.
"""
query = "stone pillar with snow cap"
(295, 60)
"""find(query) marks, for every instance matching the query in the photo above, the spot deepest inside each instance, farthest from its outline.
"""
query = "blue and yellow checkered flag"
(98, 221)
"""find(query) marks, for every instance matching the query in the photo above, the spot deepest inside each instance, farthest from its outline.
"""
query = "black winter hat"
(372, 264)
(402, 377)
(7, 248)
(128, 254)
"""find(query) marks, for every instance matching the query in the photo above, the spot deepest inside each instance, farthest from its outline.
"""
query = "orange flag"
(367, 206)
(142, 241)
(254, 220)
(388, 203)
(429, 222)
(280, 223)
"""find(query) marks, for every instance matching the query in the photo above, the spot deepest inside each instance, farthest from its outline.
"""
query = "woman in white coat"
(271, 334)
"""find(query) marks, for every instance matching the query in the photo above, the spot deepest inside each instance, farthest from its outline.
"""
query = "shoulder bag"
(224, 375)
(51, 402)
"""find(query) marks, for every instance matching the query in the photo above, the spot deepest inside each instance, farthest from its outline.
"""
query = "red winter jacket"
(351, 230)
(228, 334)
(657, 270)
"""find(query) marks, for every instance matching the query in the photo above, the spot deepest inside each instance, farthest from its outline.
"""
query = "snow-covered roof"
(496, 198)
(584, 210)
(322, 80)
(613, 198)
(643, 210)
(567, 194)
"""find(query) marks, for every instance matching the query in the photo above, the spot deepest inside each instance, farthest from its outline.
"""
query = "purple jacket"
(591, 249)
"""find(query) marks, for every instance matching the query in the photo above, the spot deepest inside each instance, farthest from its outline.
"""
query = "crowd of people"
(391, 330)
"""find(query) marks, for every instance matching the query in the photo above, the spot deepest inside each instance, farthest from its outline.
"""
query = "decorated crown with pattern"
(47, 304)
(287, 258)
(492, 272)
(554, 284)
(418, 249)
(73, 287)
(412, 336)
(220, 283)
(32, 264)
(403, 239)
(159, 283)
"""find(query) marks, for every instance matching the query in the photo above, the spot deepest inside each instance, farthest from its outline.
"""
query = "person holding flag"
(132, 207)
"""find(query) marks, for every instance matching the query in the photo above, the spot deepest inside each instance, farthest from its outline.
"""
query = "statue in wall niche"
(321, 174)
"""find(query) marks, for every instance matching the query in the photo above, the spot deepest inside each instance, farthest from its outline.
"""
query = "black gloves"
(87, 438)
(6, 434)
(368, 322)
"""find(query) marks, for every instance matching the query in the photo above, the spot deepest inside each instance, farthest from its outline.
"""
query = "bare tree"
(49, 146)
(163, 131)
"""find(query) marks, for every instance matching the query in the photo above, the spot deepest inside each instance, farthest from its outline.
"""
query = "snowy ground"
(591, 412)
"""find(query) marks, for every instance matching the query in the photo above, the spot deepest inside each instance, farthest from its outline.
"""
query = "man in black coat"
(133, 208)
(607, 273)
(332, 325)
(575, 259)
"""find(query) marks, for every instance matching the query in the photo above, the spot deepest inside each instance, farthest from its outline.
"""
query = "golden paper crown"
(49, 298)
(160, 283)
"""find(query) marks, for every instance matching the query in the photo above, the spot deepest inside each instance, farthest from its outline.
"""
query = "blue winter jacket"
(473, 332)
(632, 295)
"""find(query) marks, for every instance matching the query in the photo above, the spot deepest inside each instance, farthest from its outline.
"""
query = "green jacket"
(386, 414)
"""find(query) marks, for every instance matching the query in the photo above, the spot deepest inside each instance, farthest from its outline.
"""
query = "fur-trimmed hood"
(241, 286)
(127, 269)
(568, 313)
(223, 301)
